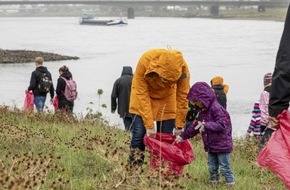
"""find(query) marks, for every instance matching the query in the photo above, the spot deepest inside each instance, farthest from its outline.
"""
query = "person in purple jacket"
(214, 124)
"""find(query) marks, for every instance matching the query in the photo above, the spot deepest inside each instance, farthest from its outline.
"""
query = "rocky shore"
(26, 56)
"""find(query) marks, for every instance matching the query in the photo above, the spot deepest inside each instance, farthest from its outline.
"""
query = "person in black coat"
(63, 103)
(34, 85)
(120, 97)
(280, 89)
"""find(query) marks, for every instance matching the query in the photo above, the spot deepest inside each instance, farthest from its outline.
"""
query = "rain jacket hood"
(201, 92)
(168, 64)
(127, 71)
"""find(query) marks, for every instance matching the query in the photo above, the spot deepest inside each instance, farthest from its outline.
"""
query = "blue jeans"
(138, 132)
(39, 102)
(223, 160)
(127, 123)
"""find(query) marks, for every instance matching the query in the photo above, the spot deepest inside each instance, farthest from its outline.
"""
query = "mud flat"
(27, 56)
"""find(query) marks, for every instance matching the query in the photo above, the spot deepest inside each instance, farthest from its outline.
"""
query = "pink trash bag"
(167, 156)
(276, 154)
(55, 103)
(28, 101)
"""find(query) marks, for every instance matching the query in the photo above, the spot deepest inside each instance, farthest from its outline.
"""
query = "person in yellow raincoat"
(159, 90)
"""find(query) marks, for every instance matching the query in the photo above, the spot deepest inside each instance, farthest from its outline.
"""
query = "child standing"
(214, 124)
(255, 123)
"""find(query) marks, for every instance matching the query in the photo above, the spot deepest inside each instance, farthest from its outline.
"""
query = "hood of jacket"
(168, 64)
(66, 75)
(217, 80)
(41, 69)
(201, 92)
(127, 71)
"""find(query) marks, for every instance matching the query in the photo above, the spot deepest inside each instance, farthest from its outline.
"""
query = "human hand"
(247, 135)
(200, 126)
(26, 91)
(151, 133)
(178, 139)
(274, 123)
(113, 110)
(177, 131)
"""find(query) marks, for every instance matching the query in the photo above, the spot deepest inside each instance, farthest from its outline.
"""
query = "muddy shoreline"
(28, 56)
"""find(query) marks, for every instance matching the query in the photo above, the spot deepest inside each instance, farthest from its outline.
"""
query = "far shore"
(242, 13)
(27, 56)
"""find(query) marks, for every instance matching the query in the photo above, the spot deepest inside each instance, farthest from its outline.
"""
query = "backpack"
(70, 91)
(45, 83)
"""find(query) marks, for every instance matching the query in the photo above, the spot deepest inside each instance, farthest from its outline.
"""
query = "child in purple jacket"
(214, 124)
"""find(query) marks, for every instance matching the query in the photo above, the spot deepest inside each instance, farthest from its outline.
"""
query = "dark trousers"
(265, 138)
(127, 123)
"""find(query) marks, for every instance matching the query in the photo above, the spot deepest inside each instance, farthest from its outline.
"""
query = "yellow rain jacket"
(155, 98)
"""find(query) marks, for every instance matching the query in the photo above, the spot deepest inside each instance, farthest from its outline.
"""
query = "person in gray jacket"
(120, 97)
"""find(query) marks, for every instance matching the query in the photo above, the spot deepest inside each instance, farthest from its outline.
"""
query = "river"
(241, 51)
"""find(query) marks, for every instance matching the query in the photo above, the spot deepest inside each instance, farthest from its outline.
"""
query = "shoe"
(231, 184)
(214, 183)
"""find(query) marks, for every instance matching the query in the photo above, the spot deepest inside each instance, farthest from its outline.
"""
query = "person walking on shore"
(120, 97)
(65, 102)
(40, 84)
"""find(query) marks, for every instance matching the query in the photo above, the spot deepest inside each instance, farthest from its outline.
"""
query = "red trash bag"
(276, 154)
(167, 156)
(55, 103)
(28, 101)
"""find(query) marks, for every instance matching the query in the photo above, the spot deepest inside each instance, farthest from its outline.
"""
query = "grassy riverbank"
(51, 151)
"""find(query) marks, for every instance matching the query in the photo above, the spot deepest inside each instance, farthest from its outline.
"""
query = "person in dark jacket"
(214, 124)
(34, 86)
(63, 103)
(280, 89)
(120, 97)
(220, 90)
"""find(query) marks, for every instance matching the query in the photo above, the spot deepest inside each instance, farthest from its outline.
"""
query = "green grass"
(47, 151)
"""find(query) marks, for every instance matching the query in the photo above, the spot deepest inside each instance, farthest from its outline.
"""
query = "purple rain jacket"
(217, 134)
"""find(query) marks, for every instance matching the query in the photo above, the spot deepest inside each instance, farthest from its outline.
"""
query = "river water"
(241, 51)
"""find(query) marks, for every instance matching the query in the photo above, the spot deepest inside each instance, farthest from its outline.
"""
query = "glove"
(177, 132)
(200, 126)
(113, 110)
(151, 133)
(178, 139)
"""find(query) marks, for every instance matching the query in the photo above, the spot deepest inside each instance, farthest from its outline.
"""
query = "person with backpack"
(120, 96)
(66, 90)
(220, 90)
(40, 84)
